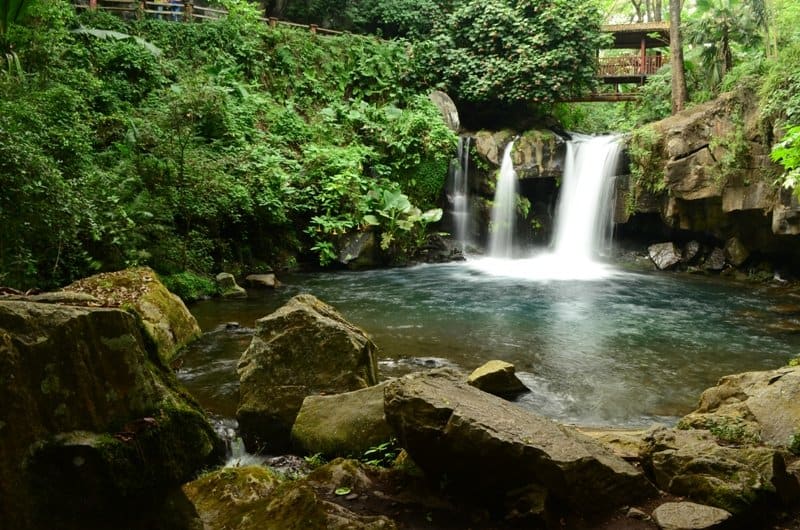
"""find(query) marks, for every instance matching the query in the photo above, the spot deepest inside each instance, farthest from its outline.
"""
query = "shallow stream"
(624, 348)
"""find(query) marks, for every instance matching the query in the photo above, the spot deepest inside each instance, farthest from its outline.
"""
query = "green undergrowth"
(195, 146)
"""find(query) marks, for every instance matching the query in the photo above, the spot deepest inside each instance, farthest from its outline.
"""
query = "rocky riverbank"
(97, 430)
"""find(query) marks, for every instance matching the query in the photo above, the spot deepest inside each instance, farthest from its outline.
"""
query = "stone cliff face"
(706, 173)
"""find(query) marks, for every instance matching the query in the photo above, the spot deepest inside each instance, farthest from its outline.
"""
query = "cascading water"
(458, 193)
(583, 220)
(504, 210)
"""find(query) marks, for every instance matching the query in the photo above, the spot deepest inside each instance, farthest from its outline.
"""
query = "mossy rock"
(67, 376)
(163, 315)
(253, 498)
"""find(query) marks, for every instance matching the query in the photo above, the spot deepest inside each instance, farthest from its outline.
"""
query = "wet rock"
(636, 513)
(342, 424)
(762, 406)
(715, 261)
(664, 255)
(166, 320)
(230, 326)
(785, 309)
(691, 463)
(735, 252)
(690, 251)
(490, 144)
(267, 281)
(447, 108)
(101, 430)
(306, 347)
(498, 378)
(228, 287)
(689, 516)
(358, 251)
(488, 447)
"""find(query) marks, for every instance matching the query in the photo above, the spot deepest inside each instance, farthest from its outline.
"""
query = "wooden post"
(273, 21)
(188, 10)
(313, 28)
(93, 5)
(140, 12)
(643, 56)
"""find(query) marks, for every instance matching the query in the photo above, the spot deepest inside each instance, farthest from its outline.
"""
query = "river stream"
(624, 349)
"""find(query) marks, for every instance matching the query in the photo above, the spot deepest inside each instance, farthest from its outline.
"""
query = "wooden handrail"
(179, 10)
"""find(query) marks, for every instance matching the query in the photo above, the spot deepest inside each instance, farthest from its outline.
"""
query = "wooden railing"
(181, 11)
(629, 65)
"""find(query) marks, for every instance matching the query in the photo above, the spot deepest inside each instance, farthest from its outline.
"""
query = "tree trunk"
(679, 93)
(657, 11)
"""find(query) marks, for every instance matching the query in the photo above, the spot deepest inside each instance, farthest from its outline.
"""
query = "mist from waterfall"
(583, 220)
(504, 209)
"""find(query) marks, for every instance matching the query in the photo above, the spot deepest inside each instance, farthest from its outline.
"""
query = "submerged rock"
(664, 255)
(228, 287)
(498, 378)
(689, 516)
(164, 316)
(489, 448)
(342, 424)
(306, 347)
(93, 426)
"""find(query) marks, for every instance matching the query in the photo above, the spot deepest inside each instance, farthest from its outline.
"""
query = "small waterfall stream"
(504, 210)
(458, 193)
(584, 217)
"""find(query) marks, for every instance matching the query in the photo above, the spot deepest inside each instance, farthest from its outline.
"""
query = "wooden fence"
(629, 66)
(181, 11)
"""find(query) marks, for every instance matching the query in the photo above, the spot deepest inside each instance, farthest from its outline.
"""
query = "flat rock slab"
(688, 516)
(488, 447)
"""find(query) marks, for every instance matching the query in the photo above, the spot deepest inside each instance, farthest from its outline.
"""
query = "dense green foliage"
(514, 51)
(201, 146)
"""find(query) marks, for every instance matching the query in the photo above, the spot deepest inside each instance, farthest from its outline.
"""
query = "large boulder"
(164, 316)
(691, 463)
(754, 406)
(342, 424)
(490, 448)
(254, 498)
(93, 426)
(306, 347)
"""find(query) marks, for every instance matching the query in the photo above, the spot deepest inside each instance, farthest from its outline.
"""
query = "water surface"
(627, 349)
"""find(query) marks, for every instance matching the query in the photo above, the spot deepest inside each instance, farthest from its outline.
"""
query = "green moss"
(190, 286)
(647, 164)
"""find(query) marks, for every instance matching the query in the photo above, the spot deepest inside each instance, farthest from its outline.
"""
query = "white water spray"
(504, 210)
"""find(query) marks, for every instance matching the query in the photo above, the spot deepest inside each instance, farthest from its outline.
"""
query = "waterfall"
(583, 219)
(584, 216)
(458, 193)
(504, 209)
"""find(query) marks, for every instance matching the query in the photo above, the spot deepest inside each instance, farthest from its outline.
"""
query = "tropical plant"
(717, 27)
